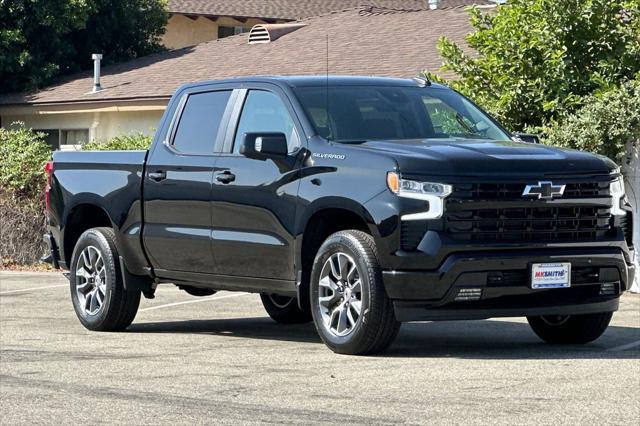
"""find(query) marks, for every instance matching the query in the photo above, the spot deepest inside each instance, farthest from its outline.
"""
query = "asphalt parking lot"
(220, 359)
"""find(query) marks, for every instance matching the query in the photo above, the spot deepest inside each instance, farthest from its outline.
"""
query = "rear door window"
(200, 121)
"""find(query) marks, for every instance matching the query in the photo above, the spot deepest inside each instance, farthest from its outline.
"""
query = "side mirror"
(261, 146)
(525, 137)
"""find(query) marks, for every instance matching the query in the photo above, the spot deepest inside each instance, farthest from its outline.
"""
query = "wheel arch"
(324, 218)
(78, 219)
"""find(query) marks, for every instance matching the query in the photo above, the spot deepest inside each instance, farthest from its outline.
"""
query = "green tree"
(604, 125)
(41, 40)
(536, 60)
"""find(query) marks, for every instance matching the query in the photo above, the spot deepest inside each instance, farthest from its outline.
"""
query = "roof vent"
(266, 33)
(97, 57)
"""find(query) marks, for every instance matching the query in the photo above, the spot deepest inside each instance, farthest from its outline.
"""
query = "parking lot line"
(168, 305)
(624, 347)
(33, 288)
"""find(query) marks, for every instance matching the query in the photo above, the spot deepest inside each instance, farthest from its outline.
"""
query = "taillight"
(48, 169)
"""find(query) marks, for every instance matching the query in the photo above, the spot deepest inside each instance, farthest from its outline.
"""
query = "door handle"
(157, 176)
(225, 177)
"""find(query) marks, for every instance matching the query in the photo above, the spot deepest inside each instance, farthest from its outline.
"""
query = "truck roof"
(319, 80)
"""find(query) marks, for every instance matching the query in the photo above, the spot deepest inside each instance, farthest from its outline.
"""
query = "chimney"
(96, 72)
(434, 4)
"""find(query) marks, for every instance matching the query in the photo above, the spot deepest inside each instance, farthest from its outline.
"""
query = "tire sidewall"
(335, 244)
(576, 329)
(96, 239)
(278, 306)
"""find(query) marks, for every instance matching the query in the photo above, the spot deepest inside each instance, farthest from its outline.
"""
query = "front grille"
(497, 212)
(513, 191)
(531, 223)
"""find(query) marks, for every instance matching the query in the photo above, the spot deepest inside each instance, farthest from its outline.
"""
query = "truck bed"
(109, 180)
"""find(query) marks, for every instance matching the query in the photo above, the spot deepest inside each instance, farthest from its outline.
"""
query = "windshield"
(361, 113)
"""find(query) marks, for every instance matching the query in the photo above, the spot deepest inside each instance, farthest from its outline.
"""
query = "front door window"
(264, 112)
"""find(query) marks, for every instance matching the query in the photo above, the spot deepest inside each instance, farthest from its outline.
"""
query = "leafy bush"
(22, 181)
(604, 125)
(537, 59)
(124, 142)
(24, 153)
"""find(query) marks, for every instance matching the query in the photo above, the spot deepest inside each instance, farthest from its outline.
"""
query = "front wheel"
(570, 329)
(350, 308)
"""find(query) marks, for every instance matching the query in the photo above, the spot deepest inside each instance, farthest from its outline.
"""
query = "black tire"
(119, 306)
(197, 291)
(573, 329)
(376, 327)
(284, 309)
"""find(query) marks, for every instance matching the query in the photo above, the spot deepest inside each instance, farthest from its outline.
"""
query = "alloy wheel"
(340, 294)
(91, 280)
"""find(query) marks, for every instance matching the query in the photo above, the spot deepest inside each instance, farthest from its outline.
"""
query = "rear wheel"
(351, 310)
(97, 289)
(570, 329)
(284, 309)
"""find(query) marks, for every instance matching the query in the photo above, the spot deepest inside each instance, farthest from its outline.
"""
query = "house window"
(65, 138)
(226, 31)
(74, 136)
(52, 137)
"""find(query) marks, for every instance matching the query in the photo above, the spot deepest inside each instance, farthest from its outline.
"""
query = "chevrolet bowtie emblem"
(544, 191)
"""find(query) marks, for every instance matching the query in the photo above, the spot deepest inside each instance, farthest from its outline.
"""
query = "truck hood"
(444, 157)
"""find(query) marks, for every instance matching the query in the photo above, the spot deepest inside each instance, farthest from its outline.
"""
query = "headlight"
(616, 189)
(433, 193)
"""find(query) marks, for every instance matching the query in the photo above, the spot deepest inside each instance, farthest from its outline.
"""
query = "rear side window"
(199, 122)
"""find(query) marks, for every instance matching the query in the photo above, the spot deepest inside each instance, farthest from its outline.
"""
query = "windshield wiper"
(467, 127)
(351, 141)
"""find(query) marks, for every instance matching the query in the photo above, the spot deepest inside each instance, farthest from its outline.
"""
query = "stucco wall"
(182, 31)
(631, 172)
(102, 125)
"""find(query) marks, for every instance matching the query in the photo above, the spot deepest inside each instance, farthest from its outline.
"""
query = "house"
(197, 21)
(369, 40)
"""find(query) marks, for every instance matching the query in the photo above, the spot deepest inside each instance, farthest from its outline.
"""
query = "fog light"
(609, 289)
(467, 294)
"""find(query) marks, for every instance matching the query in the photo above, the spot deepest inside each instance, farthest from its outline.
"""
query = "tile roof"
(296, 9)
(362, 41)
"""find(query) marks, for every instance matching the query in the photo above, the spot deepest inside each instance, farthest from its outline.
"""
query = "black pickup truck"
(354, 202)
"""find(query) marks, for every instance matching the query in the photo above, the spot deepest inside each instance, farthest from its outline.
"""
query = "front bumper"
(499, 285)
(412, 311)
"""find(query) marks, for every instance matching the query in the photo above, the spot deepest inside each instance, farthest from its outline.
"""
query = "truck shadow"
(457, 339)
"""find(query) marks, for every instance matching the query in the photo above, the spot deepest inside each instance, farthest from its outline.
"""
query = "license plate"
(551, 275)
